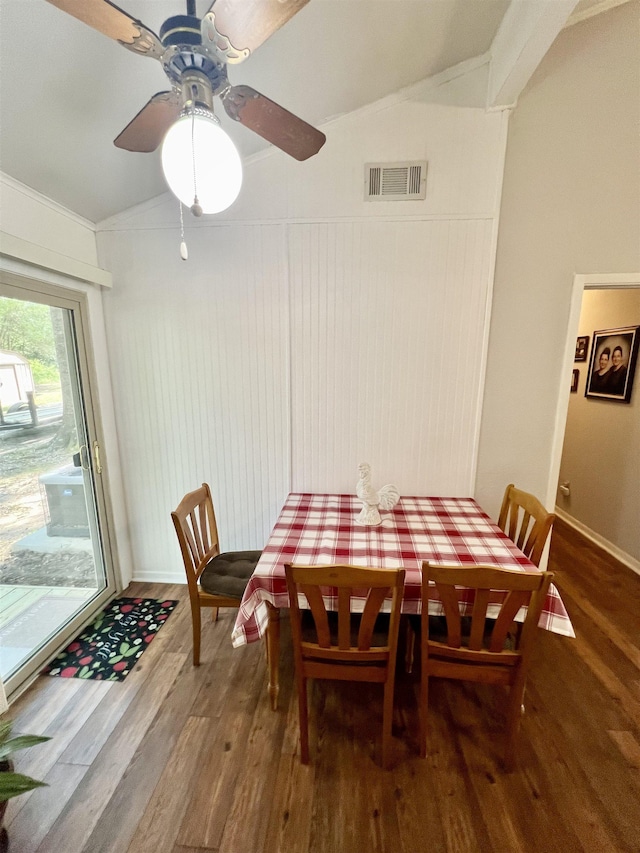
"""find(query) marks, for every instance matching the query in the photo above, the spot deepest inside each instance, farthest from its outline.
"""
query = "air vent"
(395, 181)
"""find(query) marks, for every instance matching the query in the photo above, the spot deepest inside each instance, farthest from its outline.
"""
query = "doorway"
(594, 474)
(56, 566)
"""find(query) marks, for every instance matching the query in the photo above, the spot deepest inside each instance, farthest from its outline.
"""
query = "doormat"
(109, 648)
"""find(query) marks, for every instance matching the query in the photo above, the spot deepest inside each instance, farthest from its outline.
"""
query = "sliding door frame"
(27, 288)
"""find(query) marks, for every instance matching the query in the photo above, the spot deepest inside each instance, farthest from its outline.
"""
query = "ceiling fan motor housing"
(181, 29)
(181, 36)
(196, 92)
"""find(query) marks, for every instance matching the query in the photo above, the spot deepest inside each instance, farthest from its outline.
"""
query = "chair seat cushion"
(228, 574)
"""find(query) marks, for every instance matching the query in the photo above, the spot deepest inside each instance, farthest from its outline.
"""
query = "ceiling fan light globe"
(199, 141)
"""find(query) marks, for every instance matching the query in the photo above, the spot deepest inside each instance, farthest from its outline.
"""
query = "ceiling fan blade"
(114, 23)
(144, 133)
(272, 122)
(248, 23)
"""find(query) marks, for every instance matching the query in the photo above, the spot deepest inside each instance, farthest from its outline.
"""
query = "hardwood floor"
(182, 760)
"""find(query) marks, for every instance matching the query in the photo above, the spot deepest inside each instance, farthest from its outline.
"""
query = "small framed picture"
(575, 376)
(613, 363)
(582, 346)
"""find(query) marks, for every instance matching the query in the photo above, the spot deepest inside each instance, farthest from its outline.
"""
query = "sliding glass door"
(55, 561)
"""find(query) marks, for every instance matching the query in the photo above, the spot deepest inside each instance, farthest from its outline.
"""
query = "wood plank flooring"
(183, 760)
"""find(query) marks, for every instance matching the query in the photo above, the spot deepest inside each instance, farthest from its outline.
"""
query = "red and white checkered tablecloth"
(321, 530)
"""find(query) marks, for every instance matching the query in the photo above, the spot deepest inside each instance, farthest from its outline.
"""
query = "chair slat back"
(451, 602)
(525, 521)
(373, 606)
(478, 619)
(195, 524)
(376, 584)
(344, 618)
(511, 590)
(313, 595)
(480, 653)
(339, 654)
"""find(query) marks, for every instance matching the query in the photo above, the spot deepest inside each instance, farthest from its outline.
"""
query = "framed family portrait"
(614, 354)
(582, 346)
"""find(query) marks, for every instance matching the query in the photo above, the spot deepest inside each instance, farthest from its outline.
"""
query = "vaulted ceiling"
(67, 90)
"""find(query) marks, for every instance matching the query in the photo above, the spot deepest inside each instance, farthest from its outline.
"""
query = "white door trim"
(581, 282)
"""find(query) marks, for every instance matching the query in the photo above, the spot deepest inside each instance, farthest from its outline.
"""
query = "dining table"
(322, 529)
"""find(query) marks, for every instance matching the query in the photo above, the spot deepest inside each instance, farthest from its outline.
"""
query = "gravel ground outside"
(24, 457)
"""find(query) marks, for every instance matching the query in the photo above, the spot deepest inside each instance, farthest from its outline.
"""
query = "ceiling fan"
(194, 53)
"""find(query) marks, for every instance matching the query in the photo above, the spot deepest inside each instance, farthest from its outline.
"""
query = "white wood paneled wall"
(309, 330)
(200, 379)
(387, 325)
(306, 350)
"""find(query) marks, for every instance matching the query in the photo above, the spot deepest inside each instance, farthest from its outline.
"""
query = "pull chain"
(184, 254)
(196, 209)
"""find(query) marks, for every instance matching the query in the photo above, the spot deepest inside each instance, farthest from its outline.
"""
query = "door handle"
(96, 456)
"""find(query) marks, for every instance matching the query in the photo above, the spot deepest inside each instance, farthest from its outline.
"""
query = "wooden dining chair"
(476, 648)
(525, 521)
(214, 579)
(345, 646)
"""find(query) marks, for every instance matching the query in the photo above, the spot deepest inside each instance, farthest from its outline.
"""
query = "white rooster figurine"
(386, 497)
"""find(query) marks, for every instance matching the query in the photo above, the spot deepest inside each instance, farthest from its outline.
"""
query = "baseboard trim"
(600, 541)
(158, 577)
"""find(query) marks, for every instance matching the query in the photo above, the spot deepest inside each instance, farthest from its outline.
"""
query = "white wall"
(309, 330)
(37, 220)
(571, 204)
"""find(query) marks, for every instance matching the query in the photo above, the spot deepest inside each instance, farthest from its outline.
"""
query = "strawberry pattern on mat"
(109, 648)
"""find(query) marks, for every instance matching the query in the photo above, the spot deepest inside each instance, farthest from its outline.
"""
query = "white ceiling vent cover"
(395, 181)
